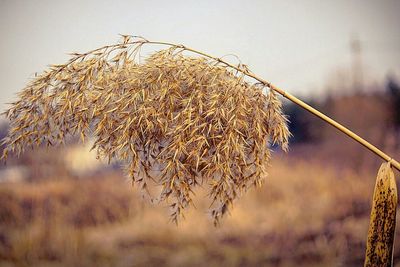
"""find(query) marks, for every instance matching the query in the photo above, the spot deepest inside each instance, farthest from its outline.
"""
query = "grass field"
(306, 214)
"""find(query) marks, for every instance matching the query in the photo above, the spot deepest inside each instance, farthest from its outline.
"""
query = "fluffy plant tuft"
(174, 121)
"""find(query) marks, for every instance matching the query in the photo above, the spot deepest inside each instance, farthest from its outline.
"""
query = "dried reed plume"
(174, 120)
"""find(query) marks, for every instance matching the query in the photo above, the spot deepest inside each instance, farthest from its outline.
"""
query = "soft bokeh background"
(62, 207)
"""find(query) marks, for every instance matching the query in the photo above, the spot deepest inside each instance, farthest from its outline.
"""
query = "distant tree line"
(359, 111)
(393, 91)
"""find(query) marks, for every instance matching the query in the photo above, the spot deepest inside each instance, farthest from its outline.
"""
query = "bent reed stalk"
(298, 102)
(243, 69)
(174, 120)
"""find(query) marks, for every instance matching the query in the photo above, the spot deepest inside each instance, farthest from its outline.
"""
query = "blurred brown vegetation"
(375, 116)
(312, 211)
(306, 215)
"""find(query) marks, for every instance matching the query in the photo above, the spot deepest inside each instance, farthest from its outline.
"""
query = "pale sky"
(297, 45)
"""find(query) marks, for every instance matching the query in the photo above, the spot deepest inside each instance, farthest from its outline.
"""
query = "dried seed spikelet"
(174, 121)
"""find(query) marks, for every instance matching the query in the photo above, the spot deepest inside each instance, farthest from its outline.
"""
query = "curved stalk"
(280, 91)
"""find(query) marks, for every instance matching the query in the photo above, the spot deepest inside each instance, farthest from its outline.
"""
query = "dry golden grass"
(318, 218)
(174, 121)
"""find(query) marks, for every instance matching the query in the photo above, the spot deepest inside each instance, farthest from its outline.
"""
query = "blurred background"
(63, 207)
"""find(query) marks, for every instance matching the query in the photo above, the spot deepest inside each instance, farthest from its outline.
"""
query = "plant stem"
(340, 127)
(288, 96)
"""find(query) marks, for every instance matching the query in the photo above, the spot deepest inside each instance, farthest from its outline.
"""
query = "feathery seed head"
(173, 120)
